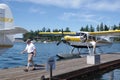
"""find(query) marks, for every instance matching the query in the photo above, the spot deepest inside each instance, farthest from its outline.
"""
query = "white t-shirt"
(30, 48)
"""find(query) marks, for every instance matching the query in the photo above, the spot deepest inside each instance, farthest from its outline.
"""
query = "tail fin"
(6, 18)
(7, 29)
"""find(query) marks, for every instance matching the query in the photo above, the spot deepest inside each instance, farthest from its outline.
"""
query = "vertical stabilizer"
(7, 28)
(6, 22)
(6, 18)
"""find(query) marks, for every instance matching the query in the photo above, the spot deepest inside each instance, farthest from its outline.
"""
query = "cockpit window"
(77, 34)
(81, 34)
(92, 37)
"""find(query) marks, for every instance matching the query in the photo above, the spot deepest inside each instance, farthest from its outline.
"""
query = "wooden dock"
(65, 69)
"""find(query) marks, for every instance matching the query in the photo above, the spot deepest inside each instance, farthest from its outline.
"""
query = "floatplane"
(7, 28)
(89, 40)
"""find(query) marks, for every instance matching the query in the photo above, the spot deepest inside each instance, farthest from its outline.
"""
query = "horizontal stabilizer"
(12, 31)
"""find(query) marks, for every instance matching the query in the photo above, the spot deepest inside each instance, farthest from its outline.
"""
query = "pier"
(65, 69)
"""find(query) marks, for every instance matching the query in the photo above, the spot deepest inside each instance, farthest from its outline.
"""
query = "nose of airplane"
(67, 38)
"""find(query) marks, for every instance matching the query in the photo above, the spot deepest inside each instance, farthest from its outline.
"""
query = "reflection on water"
(111, 75)
(2, 50)
(13, 58)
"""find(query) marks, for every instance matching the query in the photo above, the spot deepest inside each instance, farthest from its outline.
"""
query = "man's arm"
(23, 51)
(34, 52)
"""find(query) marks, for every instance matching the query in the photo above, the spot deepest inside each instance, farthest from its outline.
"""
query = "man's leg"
(33, 66)
(30, 57)
(29, 60)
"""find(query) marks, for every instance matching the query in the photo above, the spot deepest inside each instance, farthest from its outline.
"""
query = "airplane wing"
(15, 30)
(106, 33)
(58, 33)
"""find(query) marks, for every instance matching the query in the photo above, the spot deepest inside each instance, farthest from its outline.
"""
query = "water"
(112, 75)
(12, 57)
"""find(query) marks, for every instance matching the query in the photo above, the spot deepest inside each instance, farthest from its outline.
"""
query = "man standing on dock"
(31, 50)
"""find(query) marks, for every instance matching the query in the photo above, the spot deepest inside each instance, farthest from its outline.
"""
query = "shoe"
(26, 70)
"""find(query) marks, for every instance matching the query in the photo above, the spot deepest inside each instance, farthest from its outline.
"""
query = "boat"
(68, 56)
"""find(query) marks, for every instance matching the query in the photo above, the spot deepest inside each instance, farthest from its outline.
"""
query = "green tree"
(101, 27)
(119, 26)
(29, 35)
(43, 29)
(91, 28)
(55, 30)
(106, 28)
(82, 29)
(67, 29)
(114, 27)
(48, 30)
(86, 28)
(98, 28)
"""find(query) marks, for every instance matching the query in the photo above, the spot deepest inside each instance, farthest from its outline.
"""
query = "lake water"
(13, 58)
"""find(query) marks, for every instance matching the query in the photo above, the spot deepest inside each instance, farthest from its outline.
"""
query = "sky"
(59, 14)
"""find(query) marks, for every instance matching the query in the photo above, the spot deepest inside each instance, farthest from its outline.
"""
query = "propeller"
(66, 42)
(59, 42)
(62, 39)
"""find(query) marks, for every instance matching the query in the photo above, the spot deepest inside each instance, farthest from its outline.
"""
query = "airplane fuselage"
(83, 40)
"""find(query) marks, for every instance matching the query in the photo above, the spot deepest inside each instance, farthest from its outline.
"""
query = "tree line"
(100, 27)
(34, 35)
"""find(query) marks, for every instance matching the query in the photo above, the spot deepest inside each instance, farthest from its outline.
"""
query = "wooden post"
(50, 72)
(51, 66)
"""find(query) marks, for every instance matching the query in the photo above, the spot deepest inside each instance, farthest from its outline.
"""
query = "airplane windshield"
(77, 34)
(92, 37)
(81, 34)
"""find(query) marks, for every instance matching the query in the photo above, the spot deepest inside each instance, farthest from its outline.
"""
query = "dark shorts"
(31, 53)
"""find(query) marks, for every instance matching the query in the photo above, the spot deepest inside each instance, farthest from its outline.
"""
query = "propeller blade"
(66, 42)
(58, 43)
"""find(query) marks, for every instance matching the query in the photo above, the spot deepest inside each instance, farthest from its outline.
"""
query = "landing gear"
(78, 49)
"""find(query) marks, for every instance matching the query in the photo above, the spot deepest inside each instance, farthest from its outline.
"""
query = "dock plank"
(62, 67)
